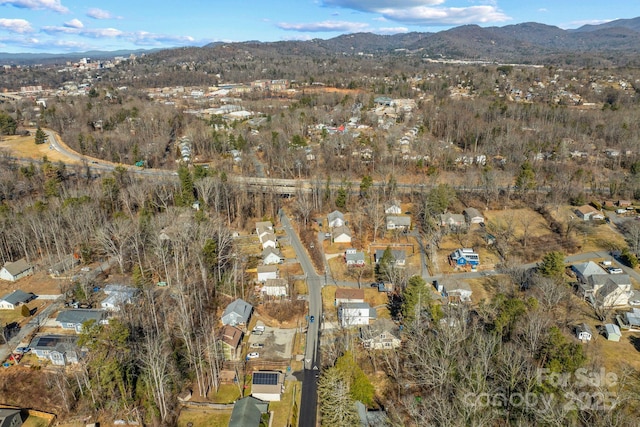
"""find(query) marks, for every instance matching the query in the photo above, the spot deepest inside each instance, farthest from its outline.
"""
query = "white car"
(614, 270)
(253, 355)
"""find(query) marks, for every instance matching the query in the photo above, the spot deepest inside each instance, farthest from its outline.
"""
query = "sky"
(59, 26)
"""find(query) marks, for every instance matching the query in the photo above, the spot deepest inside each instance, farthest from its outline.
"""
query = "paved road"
(309, 400)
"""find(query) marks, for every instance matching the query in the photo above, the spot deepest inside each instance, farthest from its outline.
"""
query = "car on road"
(312, 318)
(257, 345)
(253, 355)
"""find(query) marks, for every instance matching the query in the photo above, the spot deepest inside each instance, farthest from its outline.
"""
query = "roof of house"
(614, 279)
(335, 215)
(382, 326)
(267, 269)
(472, 213)
(79, 316)
(349, 293)
(610, 328)
(119, 289)
(276, 282)
(267, 382)
(247, 412)
(399, 220)
(268, 237)
(458, 285)
(15, 268)
(239, 307)
(633, 317)
(451, 218)
(354, 256)
(7, 416)
(52, 342)
(264, 224)
(18, 297)
(587, 269)
(269, 250)
(586, 209)
(338, 231)
(231, 336)
(397, 254)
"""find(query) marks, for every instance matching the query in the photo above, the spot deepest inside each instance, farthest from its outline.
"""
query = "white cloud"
(376, 5)
(445, 15)
(74, 23)
(96, 13)
(53, 5)
(543, 9)
(16, 25)
(314, 27)
(391, 30)
(143, 38)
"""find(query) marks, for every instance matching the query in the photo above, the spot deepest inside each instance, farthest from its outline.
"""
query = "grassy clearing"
(203, 418)
(301, 287)
(282, 411)
(227, 393)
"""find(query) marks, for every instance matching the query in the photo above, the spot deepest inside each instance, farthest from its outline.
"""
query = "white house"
(588, 213)
(473, 216)
(266, 272)
(341, 234)
(348, 295)
(15, 299)
(399, 256)
(586, 269)
(452, 220)
(335, 219)
(117, 296)
(354, 258)
(356, 314)
(393, 208)
(395, 222)
(13, 271)
(275, 288)
(271, 256)
(262, 226)
(583, 332)
(268, 240)
(458, 291)
(383, 334)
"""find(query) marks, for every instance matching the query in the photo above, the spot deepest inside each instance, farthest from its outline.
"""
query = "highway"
(309, 400)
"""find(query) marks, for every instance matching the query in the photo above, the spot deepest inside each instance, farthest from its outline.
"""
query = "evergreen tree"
(40, 136)
(416, 299)
(526, 179)
(337, 408)
(360, 388)
(552, 265)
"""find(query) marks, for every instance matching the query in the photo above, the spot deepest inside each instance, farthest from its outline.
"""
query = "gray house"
(10, 417)
(237, 313)
(59, 349)
(247, 412)
(13, 271)
(335, 219)
(15, 299)
(396, 222)
(74, 319)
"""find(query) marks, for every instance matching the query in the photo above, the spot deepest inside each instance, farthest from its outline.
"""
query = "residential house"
(632, 319)
(13, 271)
(348, 295)
(393, 208)
(237, 313)
(15, 299)
(383, 334)
(586, 269)
(263, 226)
(268, 240)
(607, 290)
(75, 318)
(395, 222)
(247, 412)
(465, 257)
(271, 256)
(276, 288)
(266, 272)
(335, 219)
(59, 349)
(457, 291)
(588, 213)
(399, 256)
(624, 203)
(267, 385)
(117, 296)
(10, 417)
(230, 340)
(452, 220)
(356, 314)
(583, 332)
(341, 234)
(612, 332)
(354, 258)
(473, 216)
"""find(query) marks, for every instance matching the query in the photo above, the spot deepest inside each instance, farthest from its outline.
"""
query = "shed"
(583, 332)
(612, 332)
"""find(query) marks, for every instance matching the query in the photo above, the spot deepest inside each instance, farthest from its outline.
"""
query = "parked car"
(23, 350)
(614, 270)
(257, 345)
(312, 318)
(258, 330)
(253, 355)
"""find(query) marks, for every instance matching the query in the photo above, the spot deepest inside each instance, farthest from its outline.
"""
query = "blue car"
(312, 318)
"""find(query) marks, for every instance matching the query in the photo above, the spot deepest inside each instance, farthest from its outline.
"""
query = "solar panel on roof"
(265, 378)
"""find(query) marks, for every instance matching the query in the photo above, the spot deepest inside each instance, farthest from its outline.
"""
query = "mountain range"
(615, 42)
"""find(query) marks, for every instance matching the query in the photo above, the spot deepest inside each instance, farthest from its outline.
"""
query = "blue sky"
(78, 25)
